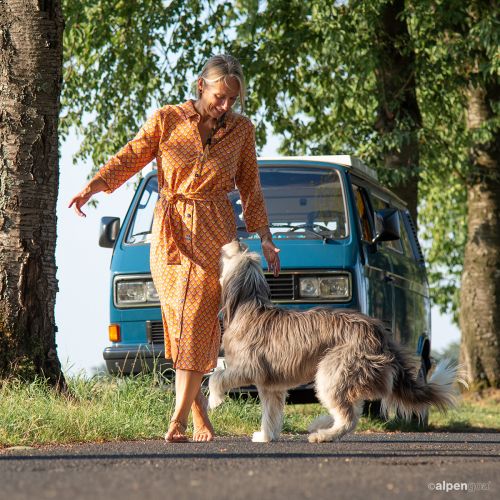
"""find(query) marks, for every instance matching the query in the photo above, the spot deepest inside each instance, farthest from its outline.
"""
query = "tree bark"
(30, 84)
(398, 106)
(480, 287)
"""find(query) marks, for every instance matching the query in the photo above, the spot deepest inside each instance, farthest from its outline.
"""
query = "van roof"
(350, 162)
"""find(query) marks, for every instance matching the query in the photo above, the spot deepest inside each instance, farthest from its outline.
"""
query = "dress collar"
(190, 111)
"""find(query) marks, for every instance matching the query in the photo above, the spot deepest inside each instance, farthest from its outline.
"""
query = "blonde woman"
(203, 149)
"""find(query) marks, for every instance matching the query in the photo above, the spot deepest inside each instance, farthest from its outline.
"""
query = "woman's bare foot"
(176, 432)
(202, 428)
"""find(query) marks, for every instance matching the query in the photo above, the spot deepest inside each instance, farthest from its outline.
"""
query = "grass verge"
(126, 408)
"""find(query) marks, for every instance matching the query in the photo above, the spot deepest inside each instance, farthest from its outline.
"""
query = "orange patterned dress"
(193, 219)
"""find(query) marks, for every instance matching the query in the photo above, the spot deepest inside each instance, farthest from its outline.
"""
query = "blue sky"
(82, 303)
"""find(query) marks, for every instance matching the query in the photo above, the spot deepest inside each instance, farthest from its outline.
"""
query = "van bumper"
(135, 358)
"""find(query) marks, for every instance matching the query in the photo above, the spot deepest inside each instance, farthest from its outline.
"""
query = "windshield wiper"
(141, 233)
(306, 228)
(311, 229)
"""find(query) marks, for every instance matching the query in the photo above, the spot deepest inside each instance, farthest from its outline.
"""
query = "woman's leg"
(203, 430)
(187, 386)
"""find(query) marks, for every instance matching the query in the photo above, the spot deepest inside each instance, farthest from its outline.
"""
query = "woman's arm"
(252, 199)
(136, 154)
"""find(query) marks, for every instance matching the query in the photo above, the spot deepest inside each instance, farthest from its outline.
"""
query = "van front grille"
(155, 331)
(281, 287)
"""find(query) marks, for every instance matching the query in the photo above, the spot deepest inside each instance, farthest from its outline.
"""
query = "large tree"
(30, 82)
(480, 291)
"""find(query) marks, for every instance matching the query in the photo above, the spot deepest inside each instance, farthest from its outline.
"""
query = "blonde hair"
(221, 67)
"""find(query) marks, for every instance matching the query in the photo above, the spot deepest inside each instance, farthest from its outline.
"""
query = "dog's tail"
(412, 394)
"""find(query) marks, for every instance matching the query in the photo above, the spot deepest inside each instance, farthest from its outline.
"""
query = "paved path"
(361, 466)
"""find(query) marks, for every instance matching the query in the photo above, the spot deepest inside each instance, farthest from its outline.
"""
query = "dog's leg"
(344, 417)
(222, 381)
(273, 405)
(334, 390)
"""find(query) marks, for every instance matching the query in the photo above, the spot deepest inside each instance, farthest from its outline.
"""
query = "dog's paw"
(260, 437)
(215, 400)
(319, 437)
(216, 397)
(322, 422)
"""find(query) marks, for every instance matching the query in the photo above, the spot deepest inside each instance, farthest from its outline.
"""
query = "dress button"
(196, 175)
(188, 215)
(188, 237)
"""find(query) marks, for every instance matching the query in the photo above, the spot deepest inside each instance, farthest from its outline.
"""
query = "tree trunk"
(30, 84)
(398, 111)
(480, 288)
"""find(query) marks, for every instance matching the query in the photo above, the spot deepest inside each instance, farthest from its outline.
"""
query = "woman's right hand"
(96, 185)
(80, 199)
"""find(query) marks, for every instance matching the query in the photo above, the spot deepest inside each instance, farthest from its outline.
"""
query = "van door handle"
(388, 279)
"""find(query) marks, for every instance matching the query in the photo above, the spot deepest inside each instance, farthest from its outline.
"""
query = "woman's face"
(217, 98)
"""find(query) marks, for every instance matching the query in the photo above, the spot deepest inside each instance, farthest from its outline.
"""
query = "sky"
(83, 269)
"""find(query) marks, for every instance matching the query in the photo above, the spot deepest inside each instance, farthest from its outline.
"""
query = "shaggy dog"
(348, 354)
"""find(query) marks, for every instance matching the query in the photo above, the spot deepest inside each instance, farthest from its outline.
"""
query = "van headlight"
(135, 292)
(325, 287)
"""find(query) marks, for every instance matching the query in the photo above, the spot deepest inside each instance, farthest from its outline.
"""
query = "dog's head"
(232, 255)
(242, 278)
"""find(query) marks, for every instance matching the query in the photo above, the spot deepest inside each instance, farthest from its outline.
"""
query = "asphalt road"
(361, 466)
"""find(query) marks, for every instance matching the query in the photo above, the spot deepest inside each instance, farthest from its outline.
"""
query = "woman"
(202, 149)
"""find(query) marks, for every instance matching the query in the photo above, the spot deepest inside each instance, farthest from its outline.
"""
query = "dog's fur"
(348, 354)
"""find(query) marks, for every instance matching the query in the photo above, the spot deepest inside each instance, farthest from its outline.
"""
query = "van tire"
(422, 423)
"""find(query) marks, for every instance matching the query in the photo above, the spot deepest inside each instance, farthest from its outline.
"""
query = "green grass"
(120, 408)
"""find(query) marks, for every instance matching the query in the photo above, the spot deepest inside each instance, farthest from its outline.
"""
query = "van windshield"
(301, 202)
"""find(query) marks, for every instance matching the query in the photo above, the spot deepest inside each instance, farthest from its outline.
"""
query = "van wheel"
(371, 409)
(422, 423)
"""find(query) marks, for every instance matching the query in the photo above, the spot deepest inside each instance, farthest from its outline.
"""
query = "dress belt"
(170, 198)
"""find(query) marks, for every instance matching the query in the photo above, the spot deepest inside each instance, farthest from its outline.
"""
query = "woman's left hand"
(271, 254)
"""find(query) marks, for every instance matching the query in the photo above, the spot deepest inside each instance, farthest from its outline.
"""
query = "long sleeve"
(248, 183)
(134, 156)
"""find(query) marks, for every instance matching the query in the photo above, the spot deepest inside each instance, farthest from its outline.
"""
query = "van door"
(406, 277)
(411, 263)
(379, 300)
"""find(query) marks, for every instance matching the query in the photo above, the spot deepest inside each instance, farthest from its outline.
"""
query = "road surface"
(361, 466)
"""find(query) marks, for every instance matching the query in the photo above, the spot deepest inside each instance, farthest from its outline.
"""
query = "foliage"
(312, 68)
(124, 58)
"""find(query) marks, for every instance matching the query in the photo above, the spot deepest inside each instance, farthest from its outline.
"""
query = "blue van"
(345, 240)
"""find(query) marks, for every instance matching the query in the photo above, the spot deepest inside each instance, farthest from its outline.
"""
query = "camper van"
(346, 241)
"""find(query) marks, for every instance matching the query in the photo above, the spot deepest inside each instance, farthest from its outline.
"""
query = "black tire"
(422, 423)
(371, 409)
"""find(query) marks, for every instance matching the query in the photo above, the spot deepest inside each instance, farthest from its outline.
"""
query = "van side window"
(380, 204)
(411, 232)
(140, 227)
(363, 212)
(405, 239)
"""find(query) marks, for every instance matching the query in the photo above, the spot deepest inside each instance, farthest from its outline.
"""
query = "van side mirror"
(110, 227)
(386, 225)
